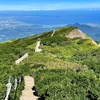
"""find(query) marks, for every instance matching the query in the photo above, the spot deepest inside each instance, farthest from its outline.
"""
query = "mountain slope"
(89, 29)
(12, 29)
(67, 68)
(76, 33)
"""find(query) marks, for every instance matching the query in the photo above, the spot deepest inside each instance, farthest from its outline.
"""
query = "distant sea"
(54, 17)
(20, 24)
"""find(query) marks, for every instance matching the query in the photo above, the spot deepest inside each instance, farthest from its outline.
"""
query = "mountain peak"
(76, 33)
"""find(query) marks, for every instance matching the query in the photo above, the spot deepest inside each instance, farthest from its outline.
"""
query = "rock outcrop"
(76, 33)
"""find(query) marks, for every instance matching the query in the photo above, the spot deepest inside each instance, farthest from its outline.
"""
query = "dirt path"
(27, 93)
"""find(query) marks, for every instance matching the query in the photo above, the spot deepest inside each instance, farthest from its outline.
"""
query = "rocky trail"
(28, 92)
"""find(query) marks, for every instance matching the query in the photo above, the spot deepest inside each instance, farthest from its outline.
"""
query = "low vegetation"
(66, 69)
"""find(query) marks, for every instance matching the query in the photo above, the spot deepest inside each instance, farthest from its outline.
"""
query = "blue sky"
(48, 4)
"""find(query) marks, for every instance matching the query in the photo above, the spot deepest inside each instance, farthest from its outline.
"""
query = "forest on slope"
(66, 69)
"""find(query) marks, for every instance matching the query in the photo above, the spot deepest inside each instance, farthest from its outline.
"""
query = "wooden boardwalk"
(28, 93)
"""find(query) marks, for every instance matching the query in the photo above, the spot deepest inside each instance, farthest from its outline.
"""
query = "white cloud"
(51, 6)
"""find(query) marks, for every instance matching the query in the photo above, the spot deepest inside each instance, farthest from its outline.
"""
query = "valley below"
(11, 29)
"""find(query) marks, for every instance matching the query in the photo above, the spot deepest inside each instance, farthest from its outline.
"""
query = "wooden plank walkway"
(27, 93)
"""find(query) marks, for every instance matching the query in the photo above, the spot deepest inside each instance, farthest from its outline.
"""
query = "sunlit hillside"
(66, 67)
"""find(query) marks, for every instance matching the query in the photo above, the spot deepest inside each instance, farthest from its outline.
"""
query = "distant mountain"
(12, 29)
(93, 30)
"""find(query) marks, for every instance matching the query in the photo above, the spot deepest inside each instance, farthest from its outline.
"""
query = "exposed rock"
(76, 33)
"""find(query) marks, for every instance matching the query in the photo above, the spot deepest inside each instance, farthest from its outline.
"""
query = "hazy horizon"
(49, 4)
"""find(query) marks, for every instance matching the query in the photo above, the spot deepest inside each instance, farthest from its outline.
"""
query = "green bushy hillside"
(66, 69)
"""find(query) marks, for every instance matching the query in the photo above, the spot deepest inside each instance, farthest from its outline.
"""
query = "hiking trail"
(28, 93)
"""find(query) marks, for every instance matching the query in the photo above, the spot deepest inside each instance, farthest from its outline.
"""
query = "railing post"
(15, 83)
(20, 80)
(8, 89)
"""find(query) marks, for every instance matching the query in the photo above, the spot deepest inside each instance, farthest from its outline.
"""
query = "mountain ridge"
(76, 33)
(90, 29)
(64, 67)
